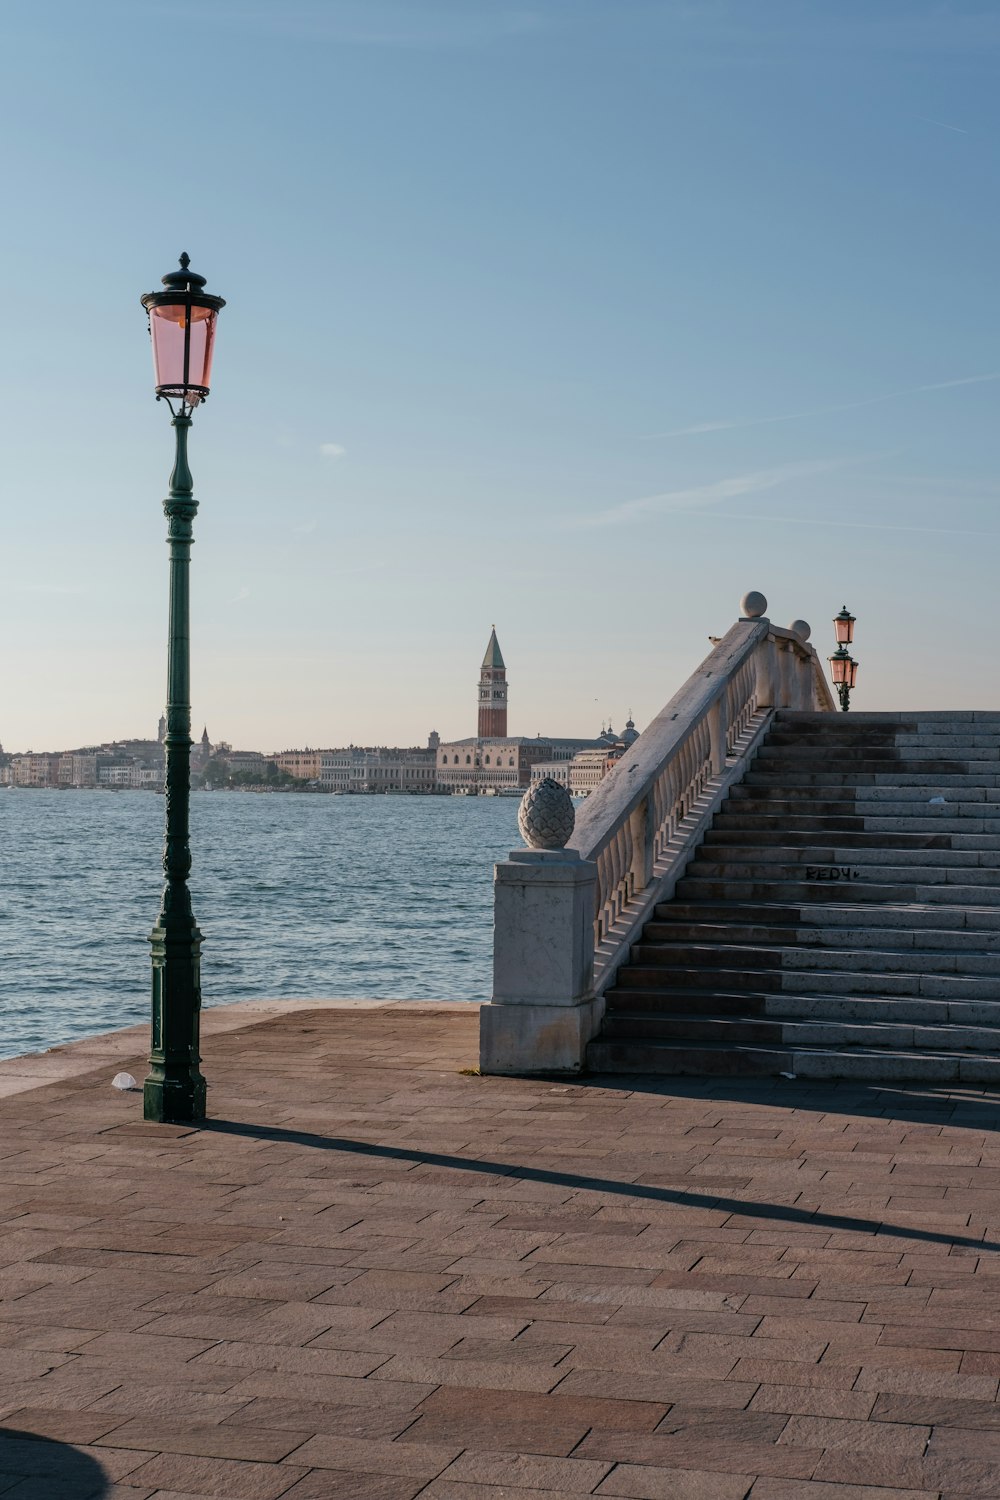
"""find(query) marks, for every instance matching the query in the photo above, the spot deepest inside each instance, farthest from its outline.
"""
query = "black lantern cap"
(184, 284)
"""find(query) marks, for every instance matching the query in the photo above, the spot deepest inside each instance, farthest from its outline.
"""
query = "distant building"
(34, 769)
(304, 765)
(588, 767)
(247, 762)
(379, 769)
(78, 768)
(493, 760)
(493, 692)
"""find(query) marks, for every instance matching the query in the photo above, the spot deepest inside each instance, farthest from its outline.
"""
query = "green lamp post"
(182, 321)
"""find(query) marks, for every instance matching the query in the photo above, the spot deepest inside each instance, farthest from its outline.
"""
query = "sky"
(576, 317)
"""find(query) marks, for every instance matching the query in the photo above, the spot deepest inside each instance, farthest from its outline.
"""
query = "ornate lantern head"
(182, 323)
(843, 625)
(841, 663)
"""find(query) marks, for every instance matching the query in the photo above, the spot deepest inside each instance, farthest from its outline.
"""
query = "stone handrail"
(565, 915)
(645, 813)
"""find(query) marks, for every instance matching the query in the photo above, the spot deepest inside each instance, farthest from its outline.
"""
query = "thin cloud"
(943, 124)
(332, 450)
(709, 494)
(238, 597)
(821, 411)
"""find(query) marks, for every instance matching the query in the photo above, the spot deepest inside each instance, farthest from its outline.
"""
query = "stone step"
(834, 939)
(865, 757)
(793, 958)
(756, 888)
(680, 1026)
(936, 917)
(822, 801)
(723, 835)
(901, 1010)
(899, 738)
(950, 827)
(806, 719)
(743, 1060)
(971, 776)
(886, 868)
(864, 855)
(771, 981)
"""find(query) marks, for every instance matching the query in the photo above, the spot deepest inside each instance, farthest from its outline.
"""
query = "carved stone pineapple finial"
(546, 817)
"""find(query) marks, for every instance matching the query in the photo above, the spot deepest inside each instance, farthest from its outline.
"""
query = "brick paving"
(376, 1275)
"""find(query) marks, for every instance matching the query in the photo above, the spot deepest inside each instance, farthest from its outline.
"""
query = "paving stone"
(804, 1489)
(550, 1425)
(220, 1478)
(682, 1452)
(899, 1439)
(795, 1400)
(219, 1313)
(650, 1482)
(330, 1484)
(525, 1471)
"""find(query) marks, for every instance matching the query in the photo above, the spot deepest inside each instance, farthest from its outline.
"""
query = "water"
(298, 896)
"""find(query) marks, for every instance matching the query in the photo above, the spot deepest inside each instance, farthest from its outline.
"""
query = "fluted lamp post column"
(182, 320)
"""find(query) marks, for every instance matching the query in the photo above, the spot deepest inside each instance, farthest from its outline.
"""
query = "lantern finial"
(184, 279)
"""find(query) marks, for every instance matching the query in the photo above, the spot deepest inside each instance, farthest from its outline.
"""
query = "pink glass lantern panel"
(838, 669)
(852, 676)
(168, 327)
(843, 626)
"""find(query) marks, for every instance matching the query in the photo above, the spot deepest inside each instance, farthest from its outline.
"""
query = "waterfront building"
(496, 765)
(380, 768)
(127, 771)
(35, 769)
(244, 762)
(304, 765)
(78, 768)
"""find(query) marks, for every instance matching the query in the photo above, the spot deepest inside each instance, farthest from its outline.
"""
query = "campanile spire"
(493, 692)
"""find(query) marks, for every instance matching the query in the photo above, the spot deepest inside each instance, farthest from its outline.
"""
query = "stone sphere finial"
(752, 605)
(546, 817)
(802, 629)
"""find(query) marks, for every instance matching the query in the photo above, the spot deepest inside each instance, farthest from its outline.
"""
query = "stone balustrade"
(566, 917)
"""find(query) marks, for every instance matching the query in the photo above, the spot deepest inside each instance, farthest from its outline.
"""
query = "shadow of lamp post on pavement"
(36, 1465)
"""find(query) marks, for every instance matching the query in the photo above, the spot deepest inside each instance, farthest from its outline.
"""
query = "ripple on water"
(305, 896)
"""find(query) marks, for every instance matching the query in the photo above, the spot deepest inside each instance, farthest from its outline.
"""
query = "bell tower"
(493, 692)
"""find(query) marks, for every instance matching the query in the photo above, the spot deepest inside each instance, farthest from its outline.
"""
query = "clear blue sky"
(615, 308)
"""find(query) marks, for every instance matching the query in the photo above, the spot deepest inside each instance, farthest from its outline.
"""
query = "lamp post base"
(173, 1101)
(174, 1089)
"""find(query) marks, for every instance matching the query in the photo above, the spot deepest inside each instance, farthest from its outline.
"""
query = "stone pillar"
(543, 1011)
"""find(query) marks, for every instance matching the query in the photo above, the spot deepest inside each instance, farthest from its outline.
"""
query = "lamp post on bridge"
(182, 321)
(843, 667)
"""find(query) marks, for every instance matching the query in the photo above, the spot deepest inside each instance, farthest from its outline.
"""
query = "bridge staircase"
(841, 917)
(764, 885)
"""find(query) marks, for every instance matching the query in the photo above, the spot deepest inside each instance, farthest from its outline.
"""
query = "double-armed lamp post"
(843, 667)
(182, 321)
